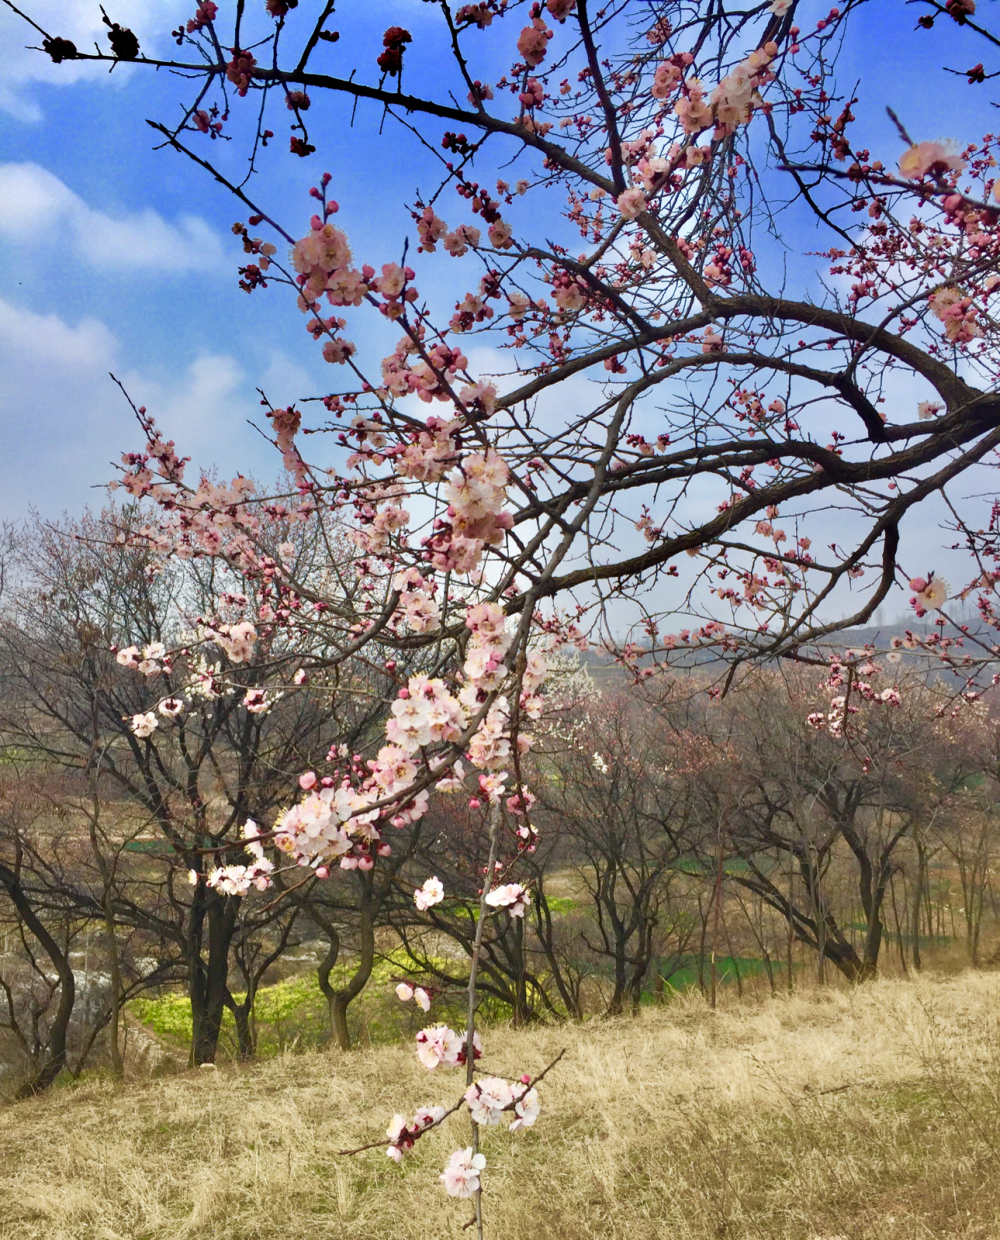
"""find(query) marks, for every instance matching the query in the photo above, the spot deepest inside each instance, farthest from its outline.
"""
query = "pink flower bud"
(307, 781)
(474, 803)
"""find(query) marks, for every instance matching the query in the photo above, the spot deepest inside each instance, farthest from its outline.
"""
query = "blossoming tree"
(673, 423)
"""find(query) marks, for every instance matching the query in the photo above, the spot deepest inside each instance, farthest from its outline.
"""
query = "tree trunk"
(245, 1039)
(873, 937)
(55, 1058)
(326, 965)
(114, 1021)
(918, 903)
(339, 998)
(208, 981)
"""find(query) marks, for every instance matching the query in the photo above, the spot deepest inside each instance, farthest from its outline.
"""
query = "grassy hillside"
(824, 1116)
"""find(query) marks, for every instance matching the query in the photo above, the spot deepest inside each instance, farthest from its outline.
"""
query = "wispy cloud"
(35, 207)
(66, 423)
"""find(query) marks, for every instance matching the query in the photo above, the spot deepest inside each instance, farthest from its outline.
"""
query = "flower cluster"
(204, 14)
(403, 1135)
(957, 313)
(475, 493)
(431, 893)
(405, 992)
(930, 593)
(235, 880)
(928, 159)
(235, 640)
(732, 102)
(151, 661)
(491, 1096)
(461, 1176)
(144, 724)
(424, 713)
(323, 260)
(439, 1045)
(327, 824)
(511, 896)
(533, 43)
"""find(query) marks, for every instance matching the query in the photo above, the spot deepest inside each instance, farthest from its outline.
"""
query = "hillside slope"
(818, 1117)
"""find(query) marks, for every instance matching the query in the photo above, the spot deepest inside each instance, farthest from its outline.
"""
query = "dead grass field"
(824, 1116)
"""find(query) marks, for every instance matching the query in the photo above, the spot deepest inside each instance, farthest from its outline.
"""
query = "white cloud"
(65, 423)
(44, 341)
(38, 210)
(79, 21)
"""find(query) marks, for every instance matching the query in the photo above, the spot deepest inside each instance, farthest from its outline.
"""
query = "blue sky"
(116, 257)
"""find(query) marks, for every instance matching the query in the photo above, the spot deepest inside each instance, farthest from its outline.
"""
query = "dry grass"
(825, 1116)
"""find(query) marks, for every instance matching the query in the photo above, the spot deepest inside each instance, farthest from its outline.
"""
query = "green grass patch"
(293, 1014)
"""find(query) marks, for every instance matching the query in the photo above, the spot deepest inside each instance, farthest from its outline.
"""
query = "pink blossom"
(484, 395)
(500, 235)
(692, 110)
(423, 615)
(512, 896)
(423, 713)
(322, 826)
(403, 1135)
(488, 1098)
(712, 341)
(526, 1107)
(431, 893)
(490, 746)
(236, 880)
(560, 9)
(930, 594)
(236, 640)
(479, 14)
(632, 203)
(144, 724)
(533, 42)
(256, 701)
(391, 281)
(240, 71)
(458, 242)
(431, 228)
(461, 1176)
(322, 259)
(204, 14)
(439, 1045)
(338, 350)
(666, 79)
(927, 157)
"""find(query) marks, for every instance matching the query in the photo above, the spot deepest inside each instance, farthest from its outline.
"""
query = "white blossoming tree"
(669, 426)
